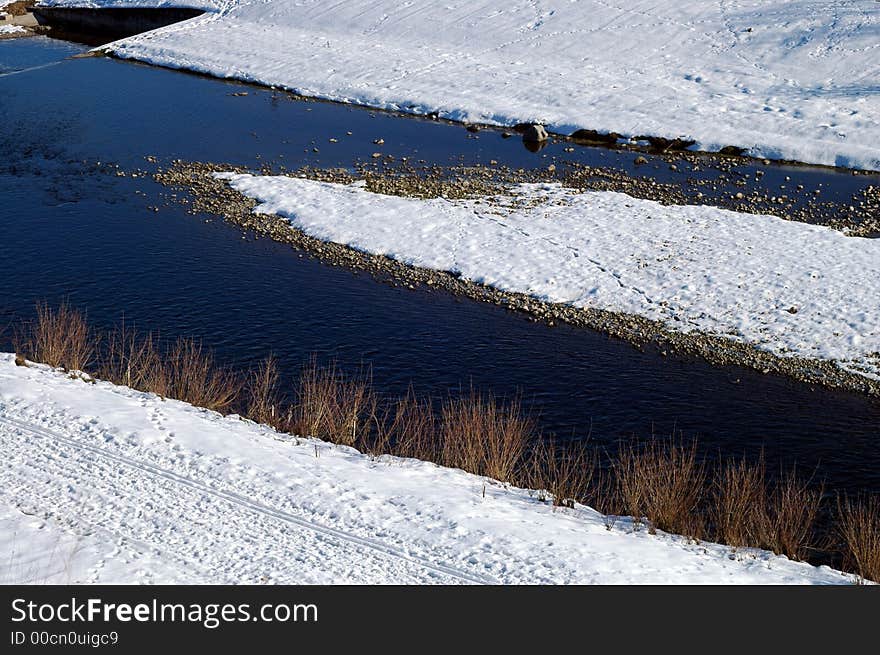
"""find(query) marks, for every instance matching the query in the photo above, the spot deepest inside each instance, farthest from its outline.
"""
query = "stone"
(661, 144)
(535, 133)
(592, 136)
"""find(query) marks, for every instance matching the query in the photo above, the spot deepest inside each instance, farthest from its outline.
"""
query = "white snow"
(794, 79)
(11, 29)
(784, 286)
(105, 484)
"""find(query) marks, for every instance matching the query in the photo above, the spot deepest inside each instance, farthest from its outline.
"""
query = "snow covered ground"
(11, 29)
(105, 484)
(786, 287)
(795, 79)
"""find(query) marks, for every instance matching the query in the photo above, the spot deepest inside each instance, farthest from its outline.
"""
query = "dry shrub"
(263, 398)
(411, 428)
(858, 524)
(484, 437)
(565, 472)
(602, 494)
(791, 515)
(60, 338)
(192, 376)
(187, 371)
(746, 513)
(739, 503)
(629, 481)
(334, 406)
(662, 481)
(134, 361)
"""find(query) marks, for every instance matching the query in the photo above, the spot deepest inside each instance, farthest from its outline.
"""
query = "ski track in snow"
(105, 484)
(792, 79)
(199, 505)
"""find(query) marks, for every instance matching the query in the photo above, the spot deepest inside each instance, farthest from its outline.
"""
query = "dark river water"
(71, 228)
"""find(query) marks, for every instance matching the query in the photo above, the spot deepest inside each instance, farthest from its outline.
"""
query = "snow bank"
(105, 484)
(786, 287)
(794, 79)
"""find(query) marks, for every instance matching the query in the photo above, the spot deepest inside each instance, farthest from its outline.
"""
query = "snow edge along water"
(790, 289)
(785, 81)
(150, 490)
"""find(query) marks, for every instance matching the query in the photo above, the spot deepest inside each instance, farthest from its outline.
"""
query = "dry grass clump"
(483, 436)
(334, 406)
(60, 338)
(133, 360)
(264, 403)
(739, 503)
(792, 509)
(858, 525)
(565, 471)
(186, 370)
(663, 481)
(411, 428)
(746, 511)
(192, 376)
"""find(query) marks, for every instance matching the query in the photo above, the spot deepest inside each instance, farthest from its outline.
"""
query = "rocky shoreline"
(194, 184)
(728, 178)
(16, 22)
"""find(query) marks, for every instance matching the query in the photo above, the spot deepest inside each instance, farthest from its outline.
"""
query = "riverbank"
(158, 491)
(15, 21)
(782, 80)
(215, 196)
